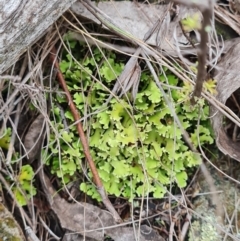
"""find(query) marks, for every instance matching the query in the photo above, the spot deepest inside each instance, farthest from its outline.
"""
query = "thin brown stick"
(83, 139)
(202, 54)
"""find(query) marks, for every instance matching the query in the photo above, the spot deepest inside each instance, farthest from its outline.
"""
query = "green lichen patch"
(9, 229)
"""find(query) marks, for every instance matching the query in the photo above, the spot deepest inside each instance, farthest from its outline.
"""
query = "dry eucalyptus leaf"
(34, 137)
(227, 83)
(92, 222)
(129, 78)
(135, 80)
(138, 19)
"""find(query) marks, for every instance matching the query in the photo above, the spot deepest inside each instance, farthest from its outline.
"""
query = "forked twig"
(83, 139)
(206, 7)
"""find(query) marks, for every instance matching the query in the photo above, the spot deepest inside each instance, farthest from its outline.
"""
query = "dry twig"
(206, 7)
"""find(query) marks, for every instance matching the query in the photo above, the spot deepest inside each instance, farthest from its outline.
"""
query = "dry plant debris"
(167, 39)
